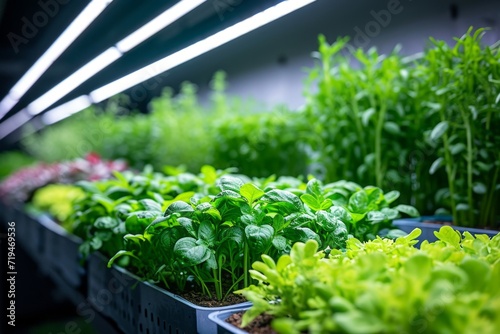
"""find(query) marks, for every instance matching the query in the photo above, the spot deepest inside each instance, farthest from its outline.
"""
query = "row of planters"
(197, 235)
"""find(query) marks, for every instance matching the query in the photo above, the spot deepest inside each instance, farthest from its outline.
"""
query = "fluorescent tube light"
(158, 23)
(73, 81)
(197, 49)
(14, 122)
(79, 24)
(111, 55)
(65, 110)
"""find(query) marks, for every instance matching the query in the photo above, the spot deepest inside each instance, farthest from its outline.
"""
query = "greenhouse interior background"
(161, 147)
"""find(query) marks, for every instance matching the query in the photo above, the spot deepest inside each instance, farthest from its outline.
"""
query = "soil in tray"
(201, 300)
(261, 324)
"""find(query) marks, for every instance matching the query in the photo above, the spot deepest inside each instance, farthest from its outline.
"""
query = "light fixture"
(158, 23)
(65, 110)
(112, 54)
(79, 24)
(14, 122)
(73, 81)
(182, 56)
(197, 49)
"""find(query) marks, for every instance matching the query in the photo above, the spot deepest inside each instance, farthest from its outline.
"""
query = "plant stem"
(378, 145)
(450, 173)
(245, 266)
(469, 168)
(217, 282)
(489, 211)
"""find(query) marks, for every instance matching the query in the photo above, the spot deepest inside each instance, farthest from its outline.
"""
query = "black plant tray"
(219, 319)
(114, 292)
(29, 233)
(165, 312)
(61, 256)
(428, 228)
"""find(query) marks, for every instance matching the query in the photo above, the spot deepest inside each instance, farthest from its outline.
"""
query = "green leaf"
(106, 222)
(439, 130)
(228, 182)
(435, 165)
(478, 272)
(190, 252)
(251, 192)
(259, 237)
(390, 213)
(340, 213)
(313, 188)
(187, 224)
(209, 173)
(419, 265)
(375, 216)
(279, 242)
(448, 235)
(206, 232)
(327, 221)
(392, 128)
(137, 221)
(288, 201)
(179, 207)
(457, 148)
(150, 205)
(408, 209)
(391, 196)
(311, 201)
(479, 188)
(358, 202)
(366, 115)
(96, 243)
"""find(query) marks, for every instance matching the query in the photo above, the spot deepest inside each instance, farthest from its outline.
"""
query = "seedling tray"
(165, 312)
(219, 319)
(61, 254)
(114, 292)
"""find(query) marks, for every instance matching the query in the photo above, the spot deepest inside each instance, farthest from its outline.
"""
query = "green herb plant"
(359, 116)
(382, 286)
(212, 239)
(129, 203)
(462, 84)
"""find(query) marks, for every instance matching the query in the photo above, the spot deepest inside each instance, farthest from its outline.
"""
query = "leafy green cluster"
(179, 130)
(57, 200)
(395, 122)
(462, 85)
(113, 208)
(361, 116)
(382, 286)
(261, 144)
(213, 238)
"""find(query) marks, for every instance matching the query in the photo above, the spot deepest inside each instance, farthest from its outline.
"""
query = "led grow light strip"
(73, 81)
(79, 24)
(67, 109)
(158, 23)
(112, 54)
(197, 49)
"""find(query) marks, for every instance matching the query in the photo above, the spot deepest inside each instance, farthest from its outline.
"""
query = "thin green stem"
(470, 199)
(379, 175)
(489, 212)
(245, 266)
(450, 173)
(217, 283)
